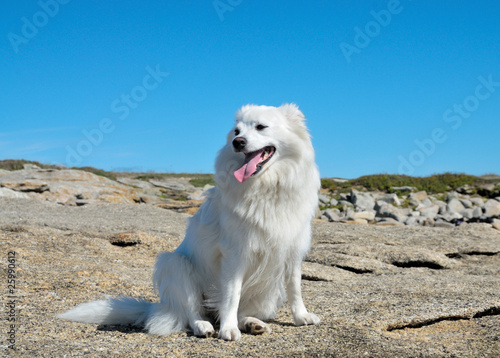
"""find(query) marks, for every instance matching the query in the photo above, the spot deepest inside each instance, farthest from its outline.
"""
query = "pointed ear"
(292, 112)
(297, 120)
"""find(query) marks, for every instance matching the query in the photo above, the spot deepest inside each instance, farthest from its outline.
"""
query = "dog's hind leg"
(253, 326)
(181, 306)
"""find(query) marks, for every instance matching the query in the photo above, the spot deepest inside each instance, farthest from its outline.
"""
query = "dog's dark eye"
(236, 131)
(260, 127)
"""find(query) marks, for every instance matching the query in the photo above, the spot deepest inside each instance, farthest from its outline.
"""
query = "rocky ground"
(383, 290)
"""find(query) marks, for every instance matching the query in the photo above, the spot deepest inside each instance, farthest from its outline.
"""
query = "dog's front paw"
(305, 319)
(203, 329)
(229, 333)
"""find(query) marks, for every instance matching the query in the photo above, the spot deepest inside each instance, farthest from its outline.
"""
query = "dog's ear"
(292, 112)
(296, 118)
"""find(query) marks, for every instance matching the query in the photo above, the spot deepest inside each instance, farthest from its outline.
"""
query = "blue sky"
(409, 87)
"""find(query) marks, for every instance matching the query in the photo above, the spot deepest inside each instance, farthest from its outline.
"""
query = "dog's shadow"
(280, 323)
(127, 329)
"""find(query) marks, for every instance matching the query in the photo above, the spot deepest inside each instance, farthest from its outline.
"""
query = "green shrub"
(437, 183)
(18, 164)
(329, 184)
(203, 180)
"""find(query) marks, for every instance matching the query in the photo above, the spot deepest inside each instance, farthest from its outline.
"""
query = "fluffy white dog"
(242, 254)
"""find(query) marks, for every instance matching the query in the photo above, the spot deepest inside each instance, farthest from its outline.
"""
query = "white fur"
(241, 257)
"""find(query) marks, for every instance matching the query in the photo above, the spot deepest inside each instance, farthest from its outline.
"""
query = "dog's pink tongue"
(249, 166)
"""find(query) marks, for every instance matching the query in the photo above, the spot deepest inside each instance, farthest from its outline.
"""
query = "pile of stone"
(414, 208)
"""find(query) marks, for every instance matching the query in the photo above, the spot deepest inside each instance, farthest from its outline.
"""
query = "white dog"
(244, 248)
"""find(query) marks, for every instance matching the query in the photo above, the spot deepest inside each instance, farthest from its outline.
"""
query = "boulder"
(466, 203)
(323, 198)
(346, 203)
(419, 195)
(332, 215)
(391, 199)
(412, 221)
(492, 208)
(451, 195)
(466, 189)
(362, 200)
(425, 221)
(414, 202)
(450, 216)
(486, 189)
(366, 215)
(429, 212)
(454, 205)
(350, 214)
(385, 210)
(334, 202)
(477, 212)
(467, 213)
(426, 202)
(477, 201)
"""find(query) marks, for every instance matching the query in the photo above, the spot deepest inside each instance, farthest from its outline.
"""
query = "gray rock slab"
(66, 186)
(170, 184)
(9, 193)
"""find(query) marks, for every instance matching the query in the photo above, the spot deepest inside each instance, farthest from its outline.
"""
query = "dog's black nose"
(239, 143)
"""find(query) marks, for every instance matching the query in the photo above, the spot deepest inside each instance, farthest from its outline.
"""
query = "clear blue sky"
(410, 87)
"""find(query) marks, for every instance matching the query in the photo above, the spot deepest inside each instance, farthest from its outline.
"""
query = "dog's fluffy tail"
(122, 310)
